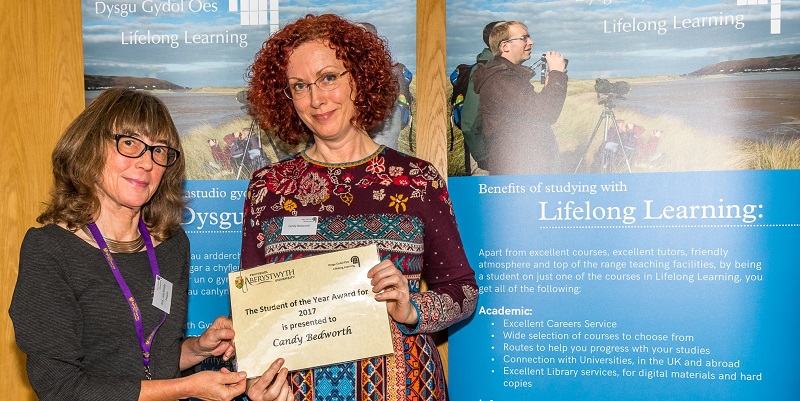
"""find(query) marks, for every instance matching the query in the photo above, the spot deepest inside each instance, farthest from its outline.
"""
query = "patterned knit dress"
(401, 204)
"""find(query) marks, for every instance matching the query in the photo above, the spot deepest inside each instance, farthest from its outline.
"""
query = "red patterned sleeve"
(452, 291)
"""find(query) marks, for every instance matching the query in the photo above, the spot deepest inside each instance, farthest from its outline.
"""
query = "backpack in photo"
(404, 97)
(459, 78)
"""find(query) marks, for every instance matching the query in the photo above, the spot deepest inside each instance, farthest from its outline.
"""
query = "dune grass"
(770, 156)
(200, 164)
(681, 146)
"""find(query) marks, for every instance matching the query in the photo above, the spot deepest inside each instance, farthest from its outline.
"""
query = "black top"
(71, 318)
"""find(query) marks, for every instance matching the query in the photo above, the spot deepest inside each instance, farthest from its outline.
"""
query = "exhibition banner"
(659, 261)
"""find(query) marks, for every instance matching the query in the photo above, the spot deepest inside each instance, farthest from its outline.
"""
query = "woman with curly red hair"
(326, 81)
(363, 56)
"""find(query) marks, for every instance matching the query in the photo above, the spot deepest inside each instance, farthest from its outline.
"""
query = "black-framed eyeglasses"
(129, 146)
(523, 38)
(326, 82)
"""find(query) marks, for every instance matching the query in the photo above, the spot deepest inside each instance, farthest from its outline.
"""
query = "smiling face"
(126, 184)
(328, 114)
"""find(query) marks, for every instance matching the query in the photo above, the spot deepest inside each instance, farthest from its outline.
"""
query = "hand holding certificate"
(312, 312)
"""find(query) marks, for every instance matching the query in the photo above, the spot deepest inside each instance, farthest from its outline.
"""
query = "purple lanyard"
(144, 344)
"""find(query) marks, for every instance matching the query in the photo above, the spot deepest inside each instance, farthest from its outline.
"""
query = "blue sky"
(583, 30)
(105, 27)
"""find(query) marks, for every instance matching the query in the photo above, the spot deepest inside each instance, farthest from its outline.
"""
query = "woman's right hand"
(273, 385)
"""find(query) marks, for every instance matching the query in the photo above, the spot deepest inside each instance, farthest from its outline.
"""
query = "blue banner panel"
(673, 286)
(213, 222)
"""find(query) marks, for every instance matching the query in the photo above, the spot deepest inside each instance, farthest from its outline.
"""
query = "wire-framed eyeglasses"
(523, 38)
(129, 146)
(326, 82)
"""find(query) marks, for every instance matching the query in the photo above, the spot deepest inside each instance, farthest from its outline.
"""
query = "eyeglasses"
(523, 38)
(326, 82)
(129, 146)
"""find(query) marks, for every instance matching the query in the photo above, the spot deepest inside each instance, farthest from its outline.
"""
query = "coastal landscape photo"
(194, 55)
(701, 86)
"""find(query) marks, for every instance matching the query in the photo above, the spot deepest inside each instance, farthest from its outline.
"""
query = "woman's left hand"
(217, 339)
(391, 286)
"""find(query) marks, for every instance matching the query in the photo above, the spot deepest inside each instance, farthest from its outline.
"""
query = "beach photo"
(195, 56)
(654, 86)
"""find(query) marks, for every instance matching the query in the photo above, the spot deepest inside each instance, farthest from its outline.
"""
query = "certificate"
(311, 312)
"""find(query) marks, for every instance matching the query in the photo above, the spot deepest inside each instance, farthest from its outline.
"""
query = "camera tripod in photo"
(247, 156)
(616, 149)
(241, 153)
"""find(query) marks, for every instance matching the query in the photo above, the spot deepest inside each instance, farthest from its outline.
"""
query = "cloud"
(620, 39)
(629, 37)
(394, 20)
(136, 38)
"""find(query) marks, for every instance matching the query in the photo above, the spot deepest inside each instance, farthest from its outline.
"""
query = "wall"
(41, 87)
(41, 91)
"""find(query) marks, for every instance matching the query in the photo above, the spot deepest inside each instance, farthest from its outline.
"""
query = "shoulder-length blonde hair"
(81, 153)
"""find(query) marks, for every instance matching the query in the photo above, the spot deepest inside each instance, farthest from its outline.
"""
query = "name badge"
(162, 294)
(299, 225)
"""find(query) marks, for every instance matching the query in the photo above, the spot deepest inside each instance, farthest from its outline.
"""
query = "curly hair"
(80, 156)
(364, 55)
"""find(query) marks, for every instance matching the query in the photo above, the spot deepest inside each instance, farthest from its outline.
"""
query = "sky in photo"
(601, 38)
(111, 30)
(628, 38)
